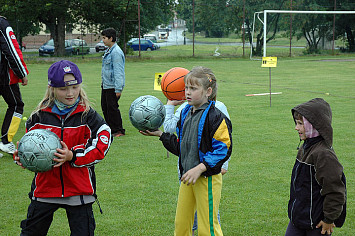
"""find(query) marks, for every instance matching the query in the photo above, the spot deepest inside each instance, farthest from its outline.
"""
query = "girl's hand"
(16, 157)
(63, 155)
(326, 228)
(175, 102)
(191, 176)
(152, 133)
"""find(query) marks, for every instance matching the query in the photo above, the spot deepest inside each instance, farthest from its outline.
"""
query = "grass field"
(137, 184)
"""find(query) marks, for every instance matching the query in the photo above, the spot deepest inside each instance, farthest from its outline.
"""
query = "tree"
(214, 17)
(123, 15)
(345, 24)
(58, 16)
(314, 27)
(272, 21)
(20, 18)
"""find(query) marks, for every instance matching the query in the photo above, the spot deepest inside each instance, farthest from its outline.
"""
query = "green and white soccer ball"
(147, 113)
(36, 150)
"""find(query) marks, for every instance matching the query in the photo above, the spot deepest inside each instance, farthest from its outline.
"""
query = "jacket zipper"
(310, 210)
(61, 167)
(294, 189)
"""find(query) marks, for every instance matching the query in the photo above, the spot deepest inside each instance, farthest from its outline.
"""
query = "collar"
(311, 141)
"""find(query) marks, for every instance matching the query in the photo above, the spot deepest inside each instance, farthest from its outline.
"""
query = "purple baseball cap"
(60, 68)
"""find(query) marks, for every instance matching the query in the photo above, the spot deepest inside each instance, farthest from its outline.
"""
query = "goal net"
(322, 33)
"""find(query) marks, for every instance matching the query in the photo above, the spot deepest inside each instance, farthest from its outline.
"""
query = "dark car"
(72, 47)
(100, 46)
(146, 45)
(47, 49)
(79, 46)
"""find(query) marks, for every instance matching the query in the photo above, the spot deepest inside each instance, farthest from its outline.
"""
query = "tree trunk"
(59, 39)
(350, 38)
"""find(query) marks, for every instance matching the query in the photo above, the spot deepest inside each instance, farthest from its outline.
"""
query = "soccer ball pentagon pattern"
(36, 150)
(147, 113)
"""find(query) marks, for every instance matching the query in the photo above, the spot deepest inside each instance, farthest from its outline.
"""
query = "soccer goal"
(264, 22)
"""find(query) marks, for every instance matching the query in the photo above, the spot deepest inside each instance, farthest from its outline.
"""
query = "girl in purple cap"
(85, 138)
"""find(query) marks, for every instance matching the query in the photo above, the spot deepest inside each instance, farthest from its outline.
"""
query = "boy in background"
(113, 82)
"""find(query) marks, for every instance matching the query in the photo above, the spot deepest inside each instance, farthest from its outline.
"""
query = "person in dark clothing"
(13, 70)
(318, 187)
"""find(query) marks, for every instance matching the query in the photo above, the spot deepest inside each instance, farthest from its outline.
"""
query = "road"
(176, 38)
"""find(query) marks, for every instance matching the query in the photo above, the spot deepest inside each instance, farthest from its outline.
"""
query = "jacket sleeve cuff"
(328, 221)
(74, 157)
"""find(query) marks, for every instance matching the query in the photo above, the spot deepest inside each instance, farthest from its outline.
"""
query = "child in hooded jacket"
(85, 137)
(318, 187)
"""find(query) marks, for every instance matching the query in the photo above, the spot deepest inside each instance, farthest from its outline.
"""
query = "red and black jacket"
(88, 136)
(12, 65)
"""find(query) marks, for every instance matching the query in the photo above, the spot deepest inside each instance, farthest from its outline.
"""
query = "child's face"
(68, 94)
(300, 129)
(196, 95)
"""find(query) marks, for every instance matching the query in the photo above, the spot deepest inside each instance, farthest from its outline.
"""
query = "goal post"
(265, 12)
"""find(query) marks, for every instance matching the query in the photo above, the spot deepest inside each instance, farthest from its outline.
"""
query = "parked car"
(131, 40)
(47, 49)
(151, 37)
(79, 46)
(100, 46)
(146, 45)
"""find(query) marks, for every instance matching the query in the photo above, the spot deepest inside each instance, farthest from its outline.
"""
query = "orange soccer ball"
(172, 83)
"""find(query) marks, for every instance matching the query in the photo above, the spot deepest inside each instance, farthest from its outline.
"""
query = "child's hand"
(191, 176)
(16, 157)
(223, 171)
(326, 228)
(152, 133)
(175, 102)
(63, 155)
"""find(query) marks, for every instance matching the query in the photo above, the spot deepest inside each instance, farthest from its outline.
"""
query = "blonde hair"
(203, 76)
(49, 98)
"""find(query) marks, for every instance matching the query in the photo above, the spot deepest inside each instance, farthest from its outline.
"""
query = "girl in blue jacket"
(203, 143)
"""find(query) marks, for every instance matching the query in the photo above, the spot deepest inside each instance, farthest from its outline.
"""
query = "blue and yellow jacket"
(214, 139)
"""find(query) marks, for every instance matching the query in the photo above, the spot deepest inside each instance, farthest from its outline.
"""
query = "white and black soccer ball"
(36, 150)
(147, 113)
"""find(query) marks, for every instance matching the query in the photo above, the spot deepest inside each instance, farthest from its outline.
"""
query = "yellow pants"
(204, 197)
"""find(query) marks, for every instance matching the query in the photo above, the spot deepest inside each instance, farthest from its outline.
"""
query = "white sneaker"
(9, 147)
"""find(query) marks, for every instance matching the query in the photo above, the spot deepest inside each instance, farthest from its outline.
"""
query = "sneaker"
(9, 147)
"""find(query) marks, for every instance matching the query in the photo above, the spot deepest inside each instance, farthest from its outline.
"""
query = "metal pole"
(264, 52)
(270, 83)
(291, 30)
(335, 6)
(243, 27)
(82, 40)
(193, 28)
(139, 28)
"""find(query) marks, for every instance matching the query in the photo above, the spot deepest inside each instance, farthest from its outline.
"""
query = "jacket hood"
(318, 113)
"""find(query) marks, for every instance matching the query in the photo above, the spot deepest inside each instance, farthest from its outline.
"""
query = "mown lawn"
(137, 184)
